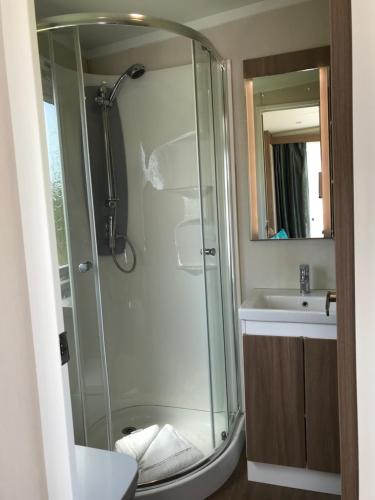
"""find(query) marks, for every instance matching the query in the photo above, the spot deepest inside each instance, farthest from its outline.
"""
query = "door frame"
(343, 193)
(18, 27)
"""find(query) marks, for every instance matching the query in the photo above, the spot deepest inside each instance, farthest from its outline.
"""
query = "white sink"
(287, 306)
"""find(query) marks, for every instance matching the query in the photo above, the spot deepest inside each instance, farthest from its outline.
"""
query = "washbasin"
(287, 306)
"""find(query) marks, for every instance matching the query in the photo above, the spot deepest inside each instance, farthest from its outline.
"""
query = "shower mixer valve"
(102, 99)
(111, 202)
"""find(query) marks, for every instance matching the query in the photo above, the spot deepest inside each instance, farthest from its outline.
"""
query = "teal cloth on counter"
(281, 235)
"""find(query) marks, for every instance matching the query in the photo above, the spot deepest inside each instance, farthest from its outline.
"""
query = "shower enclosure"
(156, 345)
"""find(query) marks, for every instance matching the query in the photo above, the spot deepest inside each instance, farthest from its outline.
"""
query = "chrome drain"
(128, 430)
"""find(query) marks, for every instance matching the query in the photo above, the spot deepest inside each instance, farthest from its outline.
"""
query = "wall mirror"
(288, 122)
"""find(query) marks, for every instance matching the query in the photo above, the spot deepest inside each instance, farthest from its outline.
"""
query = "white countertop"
(287, 306)
(105, 475)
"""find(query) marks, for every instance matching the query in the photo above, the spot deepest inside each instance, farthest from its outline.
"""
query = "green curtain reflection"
(292, 189)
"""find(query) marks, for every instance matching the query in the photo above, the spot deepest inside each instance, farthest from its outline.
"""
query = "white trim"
(293, 477)
(279, 329)
(25, 92)
(199, 24)
(363, 15)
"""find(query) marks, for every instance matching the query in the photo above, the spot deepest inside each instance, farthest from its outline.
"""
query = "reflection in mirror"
(289, 164)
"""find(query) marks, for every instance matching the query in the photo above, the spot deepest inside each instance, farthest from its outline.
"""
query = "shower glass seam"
(194, 61)
(91, 212)
(66, 217)
(219, 233)
(229, 181)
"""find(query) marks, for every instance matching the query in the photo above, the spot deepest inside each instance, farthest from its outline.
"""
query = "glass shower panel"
(211, 237)
(223, 188)
(153, 345)
(59, 214)
(154, 317)
(61, 75)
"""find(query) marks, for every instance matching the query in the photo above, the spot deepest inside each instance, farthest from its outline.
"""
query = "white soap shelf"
(190, 191)
(188, 242)
(195, 268)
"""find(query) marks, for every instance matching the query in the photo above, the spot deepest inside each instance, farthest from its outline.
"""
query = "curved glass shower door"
(215, 186)
(155, 317)
(211, 243)
(159, 341)
(61, 72)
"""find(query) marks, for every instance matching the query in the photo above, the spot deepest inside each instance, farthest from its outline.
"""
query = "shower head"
(135, 71)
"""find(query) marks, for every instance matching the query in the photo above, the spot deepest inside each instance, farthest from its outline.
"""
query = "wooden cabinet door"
(322, 419)
(274, 389)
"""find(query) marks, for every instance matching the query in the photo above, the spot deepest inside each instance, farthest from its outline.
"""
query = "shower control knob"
(85, 266)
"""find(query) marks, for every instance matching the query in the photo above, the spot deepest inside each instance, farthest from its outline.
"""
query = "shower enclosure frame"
(84, 19)
(103, 18)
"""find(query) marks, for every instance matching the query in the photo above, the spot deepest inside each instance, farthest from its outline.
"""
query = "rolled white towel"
(136, 443)
(168, 454)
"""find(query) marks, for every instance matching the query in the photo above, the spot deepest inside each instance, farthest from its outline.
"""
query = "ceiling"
(285, 80)
(181, 11)
(291, 119)
(94, 37)
(198, 14)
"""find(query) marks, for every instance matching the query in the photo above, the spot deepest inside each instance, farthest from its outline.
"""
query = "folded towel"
(168, 454)
(136, 443)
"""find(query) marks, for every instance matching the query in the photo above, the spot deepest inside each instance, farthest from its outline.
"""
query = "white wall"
(39, 268)
(154, 318)
(297, 27)
(364, 209)
(21, 439)
(306, 25)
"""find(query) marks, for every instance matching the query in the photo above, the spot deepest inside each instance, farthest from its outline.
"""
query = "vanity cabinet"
(274, 395)
(291, 401)
(321, 402)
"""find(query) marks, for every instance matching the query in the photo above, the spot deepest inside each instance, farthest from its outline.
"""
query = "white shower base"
(194, 425)
(200, 484)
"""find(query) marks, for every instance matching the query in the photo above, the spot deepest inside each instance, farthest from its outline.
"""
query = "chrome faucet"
(304, 279)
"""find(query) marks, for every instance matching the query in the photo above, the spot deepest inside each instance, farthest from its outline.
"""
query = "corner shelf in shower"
(190, 191)
(188, 242)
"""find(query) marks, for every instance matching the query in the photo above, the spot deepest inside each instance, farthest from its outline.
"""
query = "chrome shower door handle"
(85, 266)
(209, 251)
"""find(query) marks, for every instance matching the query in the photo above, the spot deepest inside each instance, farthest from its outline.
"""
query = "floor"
(239, 488)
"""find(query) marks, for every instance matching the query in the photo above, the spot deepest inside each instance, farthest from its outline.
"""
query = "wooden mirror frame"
(287, 63)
